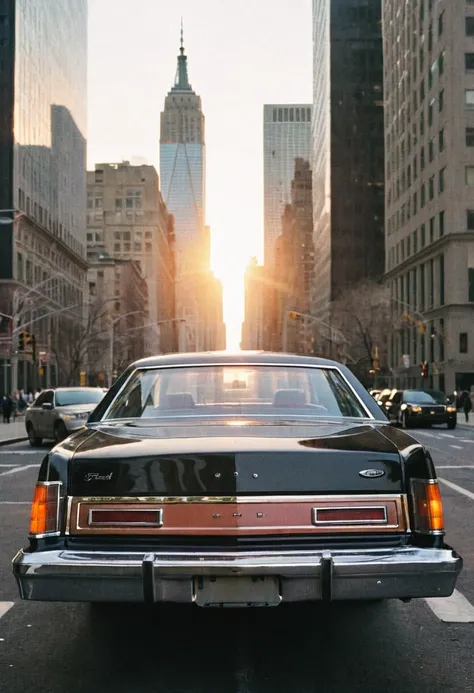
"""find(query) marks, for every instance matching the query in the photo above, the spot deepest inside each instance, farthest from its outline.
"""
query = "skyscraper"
(183, 185)
(429, 136)
(348, 146)
(43, 104)
(183, 165)
(287, 136)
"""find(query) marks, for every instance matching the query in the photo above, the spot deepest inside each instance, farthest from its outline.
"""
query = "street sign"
(406, 360)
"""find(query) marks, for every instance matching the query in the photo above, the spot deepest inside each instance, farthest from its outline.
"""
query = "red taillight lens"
(351, 515)
(125, 518)
(428, 506)
(44, 509)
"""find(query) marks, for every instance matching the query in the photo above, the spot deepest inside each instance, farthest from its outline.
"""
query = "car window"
(68, 398)
(48, 397)
(418, 397)
(40, 399)
(270, 391)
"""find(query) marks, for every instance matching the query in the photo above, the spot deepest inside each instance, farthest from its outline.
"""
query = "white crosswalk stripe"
(453, 609)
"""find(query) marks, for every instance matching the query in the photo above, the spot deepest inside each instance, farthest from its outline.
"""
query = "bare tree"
(365, 315)
(78, 345)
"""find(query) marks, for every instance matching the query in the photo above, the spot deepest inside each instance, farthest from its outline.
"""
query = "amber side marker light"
(428, 506)
(44, 518)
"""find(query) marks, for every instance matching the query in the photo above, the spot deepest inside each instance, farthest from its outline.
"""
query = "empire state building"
(183, 166)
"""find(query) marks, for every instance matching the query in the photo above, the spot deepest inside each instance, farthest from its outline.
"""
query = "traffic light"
(83, 379)
(424, 369)
(293, 315)
(21, 341)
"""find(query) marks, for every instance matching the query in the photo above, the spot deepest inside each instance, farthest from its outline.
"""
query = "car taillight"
(355, 515)
(45, 509)
(428, 506)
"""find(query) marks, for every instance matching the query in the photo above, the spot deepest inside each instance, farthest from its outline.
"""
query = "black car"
(420, 408)
(243, 479)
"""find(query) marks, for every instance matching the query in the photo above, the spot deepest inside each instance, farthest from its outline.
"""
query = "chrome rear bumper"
(101, 576)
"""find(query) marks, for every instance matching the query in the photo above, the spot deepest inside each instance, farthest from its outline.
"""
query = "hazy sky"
(241, 54)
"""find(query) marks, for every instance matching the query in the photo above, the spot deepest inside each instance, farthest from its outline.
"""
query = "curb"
(11, 441)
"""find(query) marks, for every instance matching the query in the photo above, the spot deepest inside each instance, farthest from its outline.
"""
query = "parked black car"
(243, 479)
(420, 408)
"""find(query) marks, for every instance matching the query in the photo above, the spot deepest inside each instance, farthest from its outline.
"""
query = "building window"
(471, 284)
(441, 280)
(431, 112)
(469, 61)
(441, 64)
(431, 187)
(441, 141)
(470, 176)
(463, 344)
(423, 193)
(415, 241)
(432, 229)
(441, 100)
(422, 159)
(470, 219)
(441, 181)
(431, 150)
(469, 137)
(441, 224)
(118, 203)
(423, 235)
(469, 98)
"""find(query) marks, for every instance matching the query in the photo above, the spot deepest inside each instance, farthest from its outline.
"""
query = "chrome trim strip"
(316, 522)
(242, 364)
(158, 523)
(238, 499)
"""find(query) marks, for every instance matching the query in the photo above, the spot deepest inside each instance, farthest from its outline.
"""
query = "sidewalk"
(13, 432)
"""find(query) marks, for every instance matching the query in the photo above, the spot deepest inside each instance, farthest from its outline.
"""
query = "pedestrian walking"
(7, 408)
(467, 406)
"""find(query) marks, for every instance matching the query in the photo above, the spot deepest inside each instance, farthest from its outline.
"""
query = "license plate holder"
(236, 591)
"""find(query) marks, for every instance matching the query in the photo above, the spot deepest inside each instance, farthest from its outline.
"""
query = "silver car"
(57, 413)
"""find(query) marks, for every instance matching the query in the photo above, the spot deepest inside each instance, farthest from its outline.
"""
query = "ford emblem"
(371, 473)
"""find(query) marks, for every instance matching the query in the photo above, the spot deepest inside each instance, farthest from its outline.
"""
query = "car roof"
(233, 357)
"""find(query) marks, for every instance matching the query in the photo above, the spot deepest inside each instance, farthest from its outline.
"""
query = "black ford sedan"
(245, 479)
(420, 408)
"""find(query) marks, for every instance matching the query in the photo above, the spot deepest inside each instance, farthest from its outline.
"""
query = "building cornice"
(425, 253)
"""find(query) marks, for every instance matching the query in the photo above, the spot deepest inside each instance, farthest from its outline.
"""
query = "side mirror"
(48, 406)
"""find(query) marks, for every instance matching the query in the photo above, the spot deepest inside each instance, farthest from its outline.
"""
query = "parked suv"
(57, 413)
(420, 408)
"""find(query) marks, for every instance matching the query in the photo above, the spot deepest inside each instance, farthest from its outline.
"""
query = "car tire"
(32, 437)
(60, 432)
(452, 425)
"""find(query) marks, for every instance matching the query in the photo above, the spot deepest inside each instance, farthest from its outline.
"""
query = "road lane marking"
(466, 440)
(446, 435)
(454, 466)
(20, 469)
(20, 452)
(457, 488)
(457, 447)
(15, 502)
(453, 609)
(4, 607)
(12, 464)
(425, 433)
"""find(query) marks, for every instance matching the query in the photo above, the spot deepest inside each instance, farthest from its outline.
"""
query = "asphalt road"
(384, 648)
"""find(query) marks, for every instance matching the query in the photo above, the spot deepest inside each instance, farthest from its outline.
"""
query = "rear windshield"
(225, 391)
(417, 397)
(70, 397)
